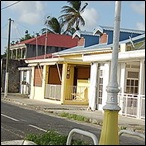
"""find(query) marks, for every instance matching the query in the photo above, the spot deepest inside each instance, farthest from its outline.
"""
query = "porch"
(75, 94)
(132, 105)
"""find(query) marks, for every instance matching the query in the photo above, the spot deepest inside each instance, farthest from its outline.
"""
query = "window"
(38, 76)
(132, 86)
(132, 77)
(132, 82)
(100, 84)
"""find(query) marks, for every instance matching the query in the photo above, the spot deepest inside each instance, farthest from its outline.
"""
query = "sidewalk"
(95, 117)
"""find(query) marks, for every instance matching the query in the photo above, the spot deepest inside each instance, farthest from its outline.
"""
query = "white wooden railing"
(132, 105)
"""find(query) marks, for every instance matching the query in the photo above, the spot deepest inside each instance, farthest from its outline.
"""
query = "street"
(16, 122)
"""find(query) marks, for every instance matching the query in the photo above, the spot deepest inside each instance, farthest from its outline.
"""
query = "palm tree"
(54, 25)
(26, 37)
(72, 14)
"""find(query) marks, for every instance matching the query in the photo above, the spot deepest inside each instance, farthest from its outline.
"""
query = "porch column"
(141, 78)
(21, 79)
(32, 91)
(21, 53)
(44, 81)
(64, 80)
(16, 53)
(106, 75)
(122, 85)
(25, 54)
(93, 86)
(141, 87)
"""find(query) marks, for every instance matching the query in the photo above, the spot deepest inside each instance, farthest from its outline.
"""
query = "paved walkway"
(95, 117)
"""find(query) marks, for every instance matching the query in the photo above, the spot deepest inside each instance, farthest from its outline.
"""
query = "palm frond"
(75, 4)
(67, 9)
(53, 24)
(82, 10)
(72, 14)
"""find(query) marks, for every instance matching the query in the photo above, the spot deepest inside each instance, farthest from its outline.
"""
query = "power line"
(10, 5)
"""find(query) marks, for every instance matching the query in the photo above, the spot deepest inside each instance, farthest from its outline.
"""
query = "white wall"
(93, 86)
(105, 82)
(38, 92)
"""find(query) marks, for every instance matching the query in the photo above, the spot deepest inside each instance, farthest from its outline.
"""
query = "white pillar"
(122, 84)
(141, 87)
(21, 79)
(93, 86)
(32, 91)
(105, 82)
(21, 52)
(6, 84)
(16, 53)
(44, 80)
(141, 78)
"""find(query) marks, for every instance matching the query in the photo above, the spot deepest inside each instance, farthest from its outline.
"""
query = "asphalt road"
(17, 122)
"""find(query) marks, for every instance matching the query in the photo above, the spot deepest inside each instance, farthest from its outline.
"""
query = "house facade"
(34, 48)
(40, 45)
(131, 77)
(79, 75)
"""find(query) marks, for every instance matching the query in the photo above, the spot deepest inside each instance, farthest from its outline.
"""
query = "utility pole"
(7, 59)
(45, 44)
(109, 133)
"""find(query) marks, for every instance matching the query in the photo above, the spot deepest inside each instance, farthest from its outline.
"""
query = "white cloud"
(29, 12)
(139, 7)
(30, 18)
(140, 26)
(90, 16)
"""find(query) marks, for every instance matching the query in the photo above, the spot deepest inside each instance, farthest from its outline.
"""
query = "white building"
(131, 77)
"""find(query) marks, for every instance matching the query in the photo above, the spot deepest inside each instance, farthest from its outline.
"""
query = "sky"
(31, 15)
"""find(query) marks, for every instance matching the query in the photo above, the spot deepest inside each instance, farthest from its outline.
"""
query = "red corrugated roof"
(56, 40)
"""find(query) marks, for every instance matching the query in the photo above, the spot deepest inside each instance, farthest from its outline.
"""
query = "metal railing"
(79, 131)
(131, 133)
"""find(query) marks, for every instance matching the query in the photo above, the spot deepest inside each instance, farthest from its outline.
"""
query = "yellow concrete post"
(109, 133)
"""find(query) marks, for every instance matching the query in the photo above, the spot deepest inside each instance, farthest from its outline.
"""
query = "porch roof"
(53, 61)
(122, 56)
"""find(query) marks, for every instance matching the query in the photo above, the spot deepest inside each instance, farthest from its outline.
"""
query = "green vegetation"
(51, 138)
(74, 117)
(73, 14)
